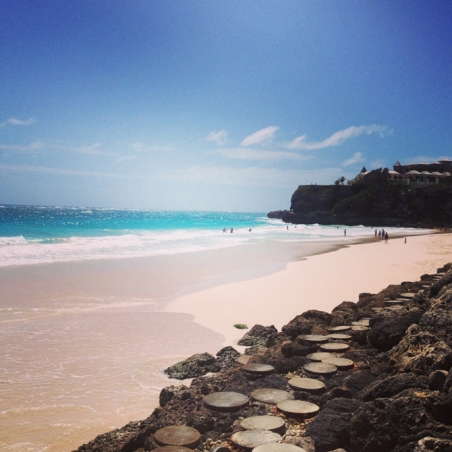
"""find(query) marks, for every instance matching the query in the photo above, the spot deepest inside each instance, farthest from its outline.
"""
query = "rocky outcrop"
(397, 397)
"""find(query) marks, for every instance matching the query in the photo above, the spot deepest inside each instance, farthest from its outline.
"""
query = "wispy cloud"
(92, 149)
(337, 138)
(18, 122)
(258, 154)
(260, 136)
(138, 146)
(32, 147)
(357, 158)
(217, 137)
(48, 170)
(251, 176)
(126, 157)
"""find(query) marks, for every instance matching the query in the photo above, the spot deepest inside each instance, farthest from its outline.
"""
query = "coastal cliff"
(390, 389)
(372, 202)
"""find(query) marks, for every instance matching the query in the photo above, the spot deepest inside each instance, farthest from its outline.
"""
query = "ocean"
(36, 235)
(84, 337)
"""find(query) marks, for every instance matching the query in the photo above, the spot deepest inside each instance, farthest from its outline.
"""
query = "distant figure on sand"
(405, 239)
(345, 232)
(287, 227)
(249, 230)
(232, 230)
(386, 237)
(224, 229)
(375, 233)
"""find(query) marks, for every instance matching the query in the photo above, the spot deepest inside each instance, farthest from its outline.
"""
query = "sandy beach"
(84, 344)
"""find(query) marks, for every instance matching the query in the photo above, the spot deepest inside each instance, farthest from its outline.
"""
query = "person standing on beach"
(345, 232)
(386, 237)
(232, 230)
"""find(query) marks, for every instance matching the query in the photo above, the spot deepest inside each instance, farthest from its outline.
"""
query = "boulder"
(226, 357)
(436, 380)
(258, 335)
(194, 366)
(310, 322)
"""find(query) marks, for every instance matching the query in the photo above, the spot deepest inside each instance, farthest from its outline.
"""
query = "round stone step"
(320, 368)
(377, 309)
(244, 359)
(340, 337)
(312, 338)
(337, 329)
(249, 439)
(225, 401)
(272, 423)
(270, 395)
(319, 356)
(258, 370)
(337, 347)
(172, 449)
(407, 295)
(299, 408)
(278, 447)
(177, 435)
(364, 328)
(307, 384)
(361, 322)
(394, 302)
(340, 363)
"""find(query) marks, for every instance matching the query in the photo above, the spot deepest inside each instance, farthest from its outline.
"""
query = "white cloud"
(337, 138)
(260, 136)
(32, 147)
(357, 158)
(18, 122)
(138, 146)
(126, 157)
(251, 176)
(48, 170)
(217, 137)
(258, 154)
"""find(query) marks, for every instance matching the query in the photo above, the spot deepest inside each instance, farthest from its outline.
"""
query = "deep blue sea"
(34, 234)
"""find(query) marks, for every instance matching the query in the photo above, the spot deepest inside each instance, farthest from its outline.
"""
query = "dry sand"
(317, 282)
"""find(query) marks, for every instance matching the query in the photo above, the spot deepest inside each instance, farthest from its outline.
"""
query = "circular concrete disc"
(340, 363)
(340, 337)
(407, 295)
(335, 347)
(278, 447)
(320, 368)
(365, 328)
(314, 338)
(225, 401)
(338, 329)
(272, 423)
(361, 322)
(298, 408)
(177, 435)
(258, 369)
(172, 449)
(377, 309)
(249, 439)
(270, 395)
(244, 359)
(307, 384)
(319, 356)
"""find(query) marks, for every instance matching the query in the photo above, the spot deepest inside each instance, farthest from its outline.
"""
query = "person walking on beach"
(386, 237)
(232, 230)
(345, 232)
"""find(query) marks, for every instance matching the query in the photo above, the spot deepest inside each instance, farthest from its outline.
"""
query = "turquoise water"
(34, 234)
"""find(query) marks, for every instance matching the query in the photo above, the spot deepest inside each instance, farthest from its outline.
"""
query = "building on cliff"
(419, 174)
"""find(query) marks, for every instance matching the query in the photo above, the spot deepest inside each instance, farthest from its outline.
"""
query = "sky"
(221, 105)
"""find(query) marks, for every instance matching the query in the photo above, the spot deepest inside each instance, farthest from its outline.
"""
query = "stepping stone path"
(272, 423)
(393, 308)
(313, 338)
(335, 347)
(340, 363)
(319, 356)
(244, 359)
(394, 302)
(307, 384)
(177, 435)
(365, 328)
(340, 337)
(249, 439)
(172, 449)
(225, 401)
(270, 395)
(337, 329)
(278, 447)
(258, 370)
(377, 309)
(320, 368)
(298, 408)
(407, 295)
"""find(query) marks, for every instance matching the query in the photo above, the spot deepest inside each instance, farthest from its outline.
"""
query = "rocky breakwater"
(371, 376)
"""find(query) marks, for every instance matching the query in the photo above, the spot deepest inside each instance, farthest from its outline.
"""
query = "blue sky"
(219, 104)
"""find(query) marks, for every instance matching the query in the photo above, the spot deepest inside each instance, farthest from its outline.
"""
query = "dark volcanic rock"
(258, 335)
(330, 428)
(391, 386)
(384, 424)
(437, 379)
(194, 366)
(388, 328)
(310, 322)
(226, 357)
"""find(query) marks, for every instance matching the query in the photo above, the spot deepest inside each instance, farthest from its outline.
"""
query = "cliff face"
(375, 201)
